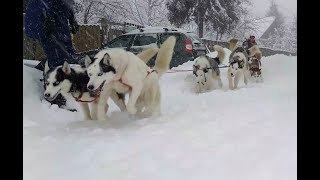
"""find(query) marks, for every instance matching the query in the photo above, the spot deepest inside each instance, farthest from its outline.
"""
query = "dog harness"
(235, 60)
(130, 87)
(78, 99)
(196, 68)
(205, 70)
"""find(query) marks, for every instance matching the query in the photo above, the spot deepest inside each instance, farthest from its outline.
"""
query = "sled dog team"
(241, 64)
(115, 72)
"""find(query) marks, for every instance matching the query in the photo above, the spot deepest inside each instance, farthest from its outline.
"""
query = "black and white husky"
(71, 82)
(254, 62)
(207, 71)
(238, 67)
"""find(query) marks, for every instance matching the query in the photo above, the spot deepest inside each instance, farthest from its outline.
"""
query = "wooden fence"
(89, 37)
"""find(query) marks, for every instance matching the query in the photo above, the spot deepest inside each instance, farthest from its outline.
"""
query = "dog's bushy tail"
(232, 44)
(255, 51)
(221, 53)
(147, 54)
(164, 55)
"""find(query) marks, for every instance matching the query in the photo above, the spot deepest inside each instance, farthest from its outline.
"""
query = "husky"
(206, 70)
(71, 82)
(255, 69)
(254, 62)
(238, 66)
(120, 70)
(255, 51)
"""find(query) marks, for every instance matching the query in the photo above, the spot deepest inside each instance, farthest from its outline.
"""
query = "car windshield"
(121, 41)
(194, 38)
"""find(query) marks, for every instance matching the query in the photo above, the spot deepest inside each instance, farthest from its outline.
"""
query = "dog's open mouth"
(53, 97)
(98, 90)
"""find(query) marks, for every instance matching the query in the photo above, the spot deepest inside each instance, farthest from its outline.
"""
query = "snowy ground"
(246, 134)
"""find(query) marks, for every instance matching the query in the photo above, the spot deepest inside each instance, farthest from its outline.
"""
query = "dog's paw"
(131, 110)
(123, 109)
(261, 80)
(87, 118)
(94, 117)
(102, 118)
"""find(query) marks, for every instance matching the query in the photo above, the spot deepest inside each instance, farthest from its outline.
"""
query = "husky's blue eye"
(100, 74)
(56, 83)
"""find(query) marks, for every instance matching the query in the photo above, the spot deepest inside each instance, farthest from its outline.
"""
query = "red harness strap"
(78, 99)
(120, 80)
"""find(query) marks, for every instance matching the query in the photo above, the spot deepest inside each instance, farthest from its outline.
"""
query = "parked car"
(188, 45)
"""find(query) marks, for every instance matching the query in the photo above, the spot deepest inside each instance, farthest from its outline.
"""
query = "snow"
(245, 134)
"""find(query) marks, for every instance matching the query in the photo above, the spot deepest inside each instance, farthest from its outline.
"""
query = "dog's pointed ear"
(87, 61)
(46, 67)
(66, 68)
(106, 59)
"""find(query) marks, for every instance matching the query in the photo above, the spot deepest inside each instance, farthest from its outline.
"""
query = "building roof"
(262, 26)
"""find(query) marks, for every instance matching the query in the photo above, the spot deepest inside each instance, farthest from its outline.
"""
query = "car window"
(145, 40)
(164, 36)
(121, 41)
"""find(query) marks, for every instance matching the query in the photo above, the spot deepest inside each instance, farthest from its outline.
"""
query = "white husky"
(206, 70)
(238, 66)
(122, 70)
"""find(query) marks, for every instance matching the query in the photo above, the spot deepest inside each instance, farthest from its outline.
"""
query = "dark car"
(188, 45)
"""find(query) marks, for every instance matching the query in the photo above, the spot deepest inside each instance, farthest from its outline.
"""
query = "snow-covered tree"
(274, 11)
(147, 12)
(180, 11)
(246, 23)
(91, 11)
(220, 14)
